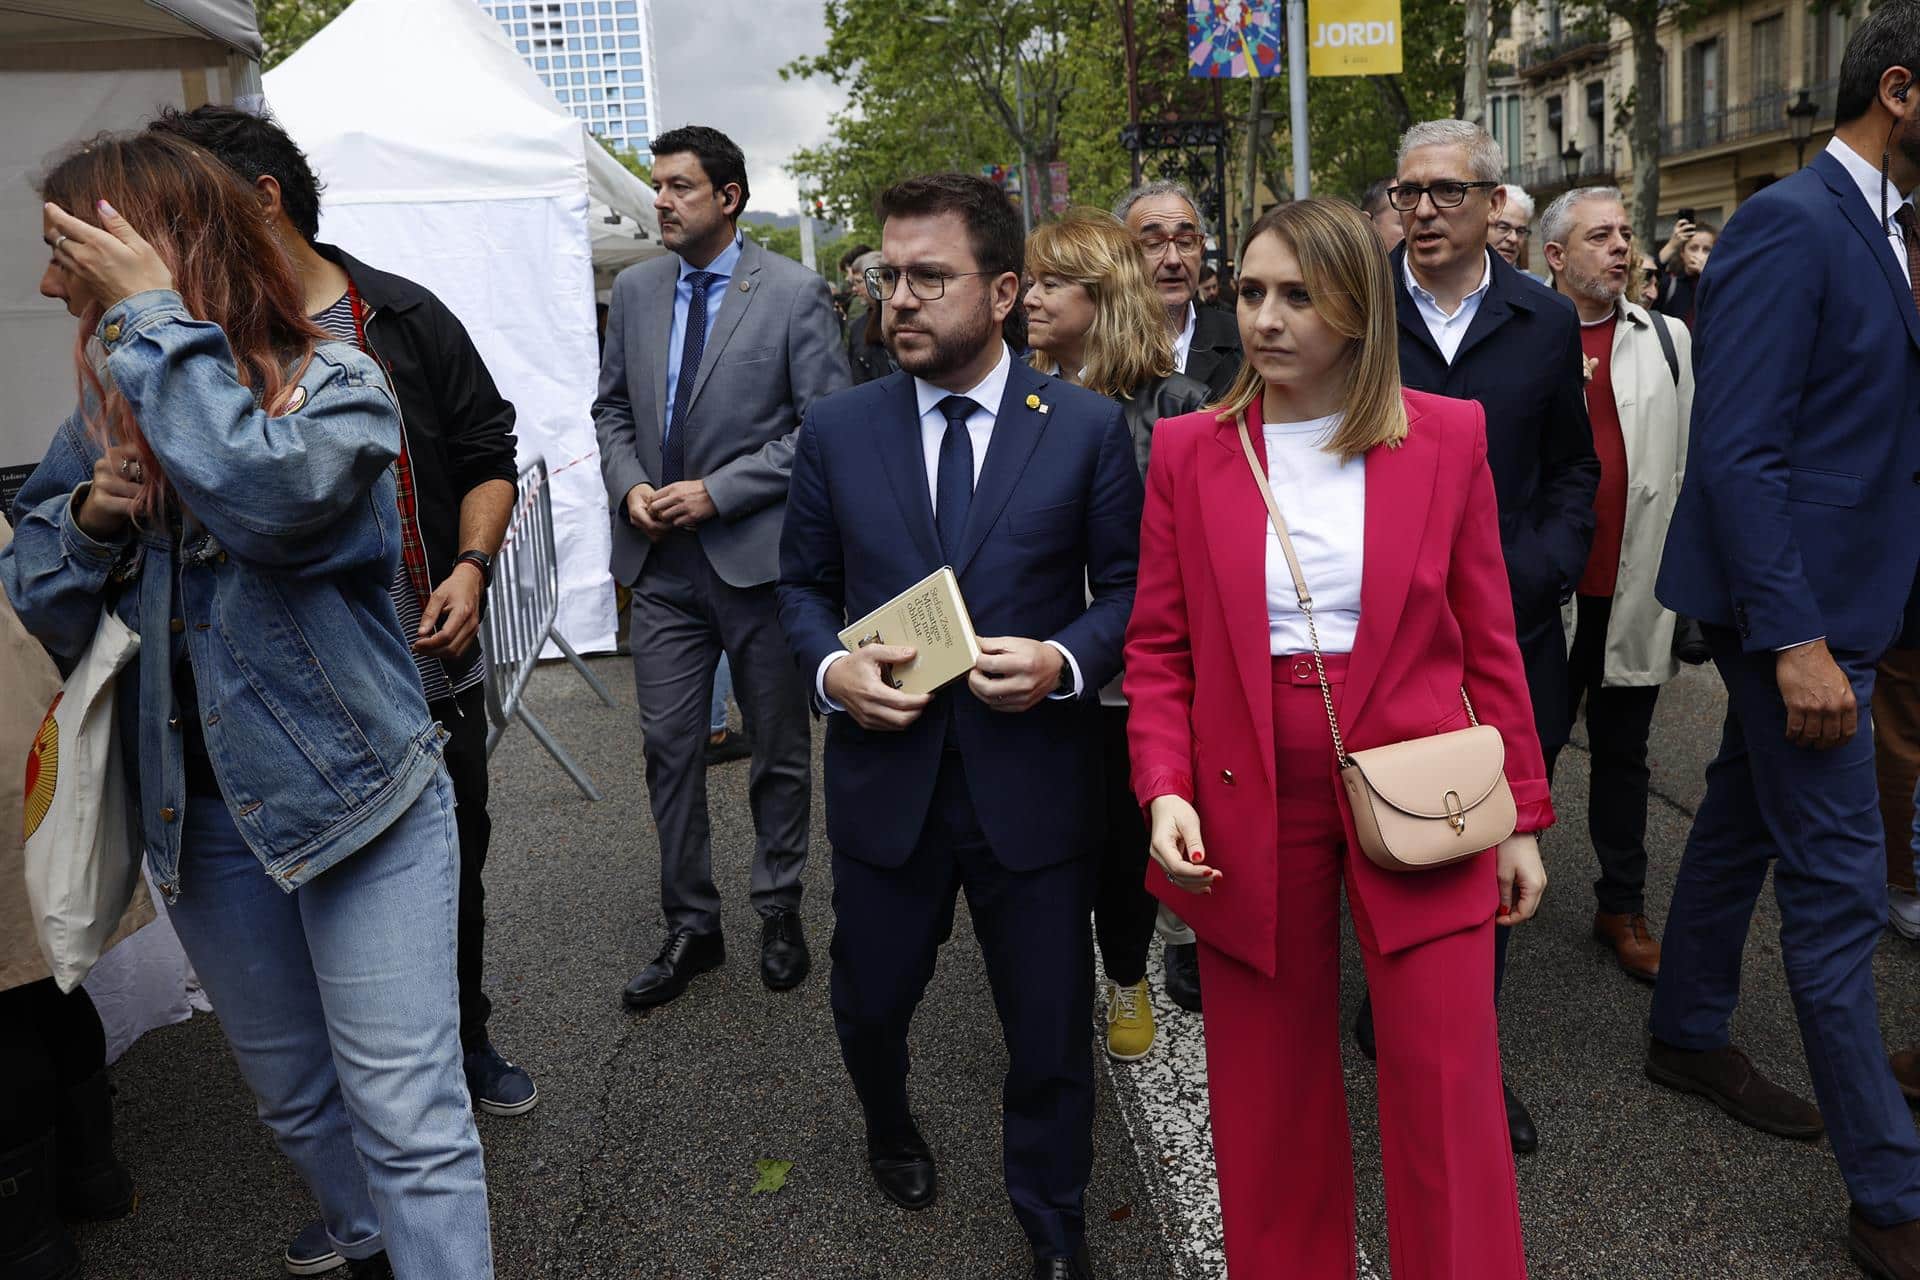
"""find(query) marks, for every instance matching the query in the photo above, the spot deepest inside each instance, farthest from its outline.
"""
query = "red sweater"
(1610, 503)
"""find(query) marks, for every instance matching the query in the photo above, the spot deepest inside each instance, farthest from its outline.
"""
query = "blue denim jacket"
(276, 592)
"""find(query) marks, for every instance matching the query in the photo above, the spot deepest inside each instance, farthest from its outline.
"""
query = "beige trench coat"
(1654, 417)
(30, 680)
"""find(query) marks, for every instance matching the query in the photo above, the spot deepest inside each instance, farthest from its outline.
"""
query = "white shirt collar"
(1867, 177)
(986, 393)
(1186, 330)
(1420, 292)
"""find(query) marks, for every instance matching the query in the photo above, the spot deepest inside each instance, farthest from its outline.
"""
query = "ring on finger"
(60, 240)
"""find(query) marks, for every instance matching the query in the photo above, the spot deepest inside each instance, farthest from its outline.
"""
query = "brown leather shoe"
(1885, 1253)
(1906, 1072)
(1727, 1078)
(1634, 945)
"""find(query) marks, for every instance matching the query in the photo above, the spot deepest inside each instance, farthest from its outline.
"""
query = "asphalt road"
(640, 1161)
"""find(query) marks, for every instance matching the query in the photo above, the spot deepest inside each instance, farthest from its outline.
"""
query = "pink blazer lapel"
(1399, 491)
(1236, 526)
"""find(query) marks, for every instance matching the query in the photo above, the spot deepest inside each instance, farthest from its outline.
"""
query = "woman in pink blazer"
(1391, 509)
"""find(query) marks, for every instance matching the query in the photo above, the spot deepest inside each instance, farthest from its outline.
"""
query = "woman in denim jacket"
(224, 485)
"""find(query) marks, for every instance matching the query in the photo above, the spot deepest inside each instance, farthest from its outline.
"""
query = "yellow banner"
(1353, 38)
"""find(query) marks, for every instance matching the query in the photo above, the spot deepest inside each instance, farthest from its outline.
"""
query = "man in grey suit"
(713, 355)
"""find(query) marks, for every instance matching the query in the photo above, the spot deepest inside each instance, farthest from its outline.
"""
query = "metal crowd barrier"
(521, 606)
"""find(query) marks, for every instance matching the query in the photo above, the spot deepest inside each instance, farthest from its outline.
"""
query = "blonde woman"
(1391, 509)
(1094, 317)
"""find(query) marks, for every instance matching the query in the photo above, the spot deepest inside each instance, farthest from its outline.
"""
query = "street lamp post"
(1800, 126)
(1570, 158)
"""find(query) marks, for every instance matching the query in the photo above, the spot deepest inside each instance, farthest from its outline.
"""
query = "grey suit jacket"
(775, 349)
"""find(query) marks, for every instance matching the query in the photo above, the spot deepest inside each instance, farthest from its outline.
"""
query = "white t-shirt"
(1324, 502)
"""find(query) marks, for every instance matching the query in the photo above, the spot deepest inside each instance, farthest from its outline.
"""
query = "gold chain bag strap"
(1418, 804)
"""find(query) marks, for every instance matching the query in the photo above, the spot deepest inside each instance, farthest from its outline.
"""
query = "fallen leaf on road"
(1121, 1214)
(773, 1176)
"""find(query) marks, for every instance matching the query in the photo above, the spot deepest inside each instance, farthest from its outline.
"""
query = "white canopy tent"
(70, 68)
(464, 173)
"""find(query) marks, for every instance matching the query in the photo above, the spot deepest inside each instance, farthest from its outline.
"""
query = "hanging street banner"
(1236, 39)
(1353, 38)
(1058, 200)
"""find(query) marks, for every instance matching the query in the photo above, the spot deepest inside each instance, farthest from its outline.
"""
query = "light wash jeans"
(340, 1003)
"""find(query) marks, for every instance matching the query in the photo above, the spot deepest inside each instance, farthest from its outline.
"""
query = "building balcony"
(1574, 47)
(1550, 176)
(1762, 119)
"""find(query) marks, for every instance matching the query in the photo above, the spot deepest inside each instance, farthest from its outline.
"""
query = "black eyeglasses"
(929, 284)
(1405, 196)
(1185, 241)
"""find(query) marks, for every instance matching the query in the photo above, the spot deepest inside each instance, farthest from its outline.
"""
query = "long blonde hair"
(1351, 285)
(1129, 344)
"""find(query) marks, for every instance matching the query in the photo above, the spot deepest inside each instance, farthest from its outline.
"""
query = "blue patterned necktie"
(693, 344)
(953, 487)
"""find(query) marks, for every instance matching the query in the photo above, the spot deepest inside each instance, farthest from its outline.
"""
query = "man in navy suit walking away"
(1795, 543)
(1026, 486)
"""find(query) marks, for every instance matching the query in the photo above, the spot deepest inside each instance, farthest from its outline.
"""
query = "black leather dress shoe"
(685, 957)
(1183, 975)
(903, 1166)
(784, 961)
(1078, 1267)
(1519, 1124)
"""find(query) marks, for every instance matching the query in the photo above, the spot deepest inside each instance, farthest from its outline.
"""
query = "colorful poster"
(1057, 198)
(1235, 38)
(1353, 38)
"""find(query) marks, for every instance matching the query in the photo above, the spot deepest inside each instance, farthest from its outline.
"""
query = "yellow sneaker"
(1129, 1022)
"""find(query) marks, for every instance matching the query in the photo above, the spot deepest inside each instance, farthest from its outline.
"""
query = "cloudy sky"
(718, 61)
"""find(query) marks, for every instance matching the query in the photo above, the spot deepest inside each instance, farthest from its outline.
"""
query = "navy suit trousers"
(889, 924)
(1814, 817)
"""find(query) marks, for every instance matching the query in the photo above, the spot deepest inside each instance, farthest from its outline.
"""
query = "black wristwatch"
(481, 561)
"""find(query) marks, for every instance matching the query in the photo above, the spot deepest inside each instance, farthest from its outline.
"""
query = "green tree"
(629, 160)
(285, 25)
(784, 241)
(1013, 61)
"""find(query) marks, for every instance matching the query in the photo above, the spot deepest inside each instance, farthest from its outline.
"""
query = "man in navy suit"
(1026, 486)
(1795, 543)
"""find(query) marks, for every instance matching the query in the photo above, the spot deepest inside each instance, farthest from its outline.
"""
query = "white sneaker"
(1903, 913)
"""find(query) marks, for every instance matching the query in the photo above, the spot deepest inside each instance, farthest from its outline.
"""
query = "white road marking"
(1163, 1100)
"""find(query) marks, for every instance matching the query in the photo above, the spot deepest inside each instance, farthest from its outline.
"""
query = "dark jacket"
(1167, 397)
(1055, 516)
(1800, 513)
(1214, 358)
(1521, 359)
(459, 431)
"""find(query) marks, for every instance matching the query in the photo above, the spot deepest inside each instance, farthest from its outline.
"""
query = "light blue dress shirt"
(722, 268)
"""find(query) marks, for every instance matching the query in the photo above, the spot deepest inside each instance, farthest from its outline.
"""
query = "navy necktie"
(953, 487)
(693, 344)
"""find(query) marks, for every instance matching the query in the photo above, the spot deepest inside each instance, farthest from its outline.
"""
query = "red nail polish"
(1505, 910)
(1197, 857)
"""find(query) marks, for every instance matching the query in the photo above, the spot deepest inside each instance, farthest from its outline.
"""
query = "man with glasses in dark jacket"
(457, 472)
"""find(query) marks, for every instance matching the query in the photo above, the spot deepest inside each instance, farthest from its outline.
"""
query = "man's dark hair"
(719, 156)
(1890, 37)
(1207, 273)
(1376, 198)
(993, 228)
(854, 254)
(253, 146)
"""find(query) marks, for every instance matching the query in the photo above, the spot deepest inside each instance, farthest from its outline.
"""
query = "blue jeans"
(340, 1003)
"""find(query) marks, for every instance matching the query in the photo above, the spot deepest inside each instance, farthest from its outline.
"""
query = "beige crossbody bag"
(1418, 804)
